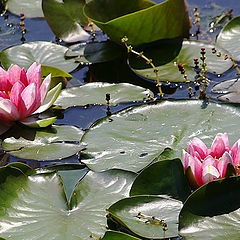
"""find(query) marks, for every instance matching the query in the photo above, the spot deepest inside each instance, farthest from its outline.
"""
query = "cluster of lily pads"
(125, 179)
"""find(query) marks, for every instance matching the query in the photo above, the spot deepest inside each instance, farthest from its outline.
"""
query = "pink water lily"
(22, 93)
(203, 165)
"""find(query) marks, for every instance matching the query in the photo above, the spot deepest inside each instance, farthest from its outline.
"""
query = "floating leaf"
(136, 213)
(47, 144)
(113, 235)
(42, 197)
(65, 19)
(228, 38)
(133, 138)
(95, 93)
(212, 211)
(165, 177)
(30, 8)
(190, 50)
(45, 53)
(229, 89)
(94, 52)
(142, 21)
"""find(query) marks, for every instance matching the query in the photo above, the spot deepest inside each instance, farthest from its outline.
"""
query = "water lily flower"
(203, 165)
(23, 94)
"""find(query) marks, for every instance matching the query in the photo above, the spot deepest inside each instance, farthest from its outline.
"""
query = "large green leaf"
(65, 18)
(127, 211)
(47, 144)
(113, 235)
(142, 21)
(132, 138)
(190, 50)
(229, 38)
(39, 206)
(95, 93)
(30, 8)
(162, 178)
(45, 53)
(212, 211)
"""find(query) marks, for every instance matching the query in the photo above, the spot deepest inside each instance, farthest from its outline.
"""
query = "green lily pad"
(228, 38)
(136, 214)
(142, 21)
(30, 8)
(212, 211)
(65, 19)
(42, 197)
(47, 144)
(45, 53)
(133, 138)
(94, 52)
(95, 93)
(229, 89)
(165, 177)
(113, 235)
(190, 50)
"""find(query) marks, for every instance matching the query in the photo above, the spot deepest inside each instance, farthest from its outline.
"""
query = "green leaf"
(212, 211)
(162, 178)
(38, 123)
(228, 38)
(42, 197)
(142, 21)
(127, 212)
(57, 75)
(65, 19)
(190, 50)
(31, 9)
(94, 52)
(45, 53)
(50, 99)
(113, 235)
(24, 168)
(133, 138)
(46, 144)
(95, 93)
(229, 90)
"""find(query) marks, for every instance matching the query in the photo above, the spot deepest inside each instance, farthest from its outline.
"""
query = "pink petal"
(235, 152)
(14, 74)
(15, 95)
(23, 77)
(209, 160)
(226, 141)
(218, 147)
(34, 74)
(5, 85)
(45, 87)
(209, 174)
(4, 95)
(29, 97)
(185, 157)
(223, 163)
(198, 146)
(8, 110)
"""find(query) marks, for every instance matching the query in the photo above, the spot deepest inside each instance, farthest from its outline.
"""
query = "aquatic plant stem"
(148, 61)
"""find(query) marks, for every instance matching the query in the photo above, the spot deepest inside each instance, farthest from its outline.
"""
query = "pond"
(119, 152)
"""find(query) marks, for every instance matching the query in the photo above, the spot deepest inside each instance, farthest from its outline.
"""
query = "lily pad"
(65, 19)
(95, 93)
(229, 89)
(165, 177)
(31, 9)
(113, 235)
(142, 21)
(229, 38)
(190, 50)
(133, 138)
(143, 215)
(42, 197)
(45, 53)
(212, 211)
(47, 144)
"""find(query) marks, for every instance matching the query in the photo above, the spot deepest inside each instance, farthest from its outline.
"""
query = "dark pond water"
(84, 117)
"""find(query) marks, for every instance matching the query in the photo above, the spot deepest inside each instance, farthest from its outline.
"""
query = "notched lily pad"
(230, 90)
(45, 53)
(46, 144)
(95, 93)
